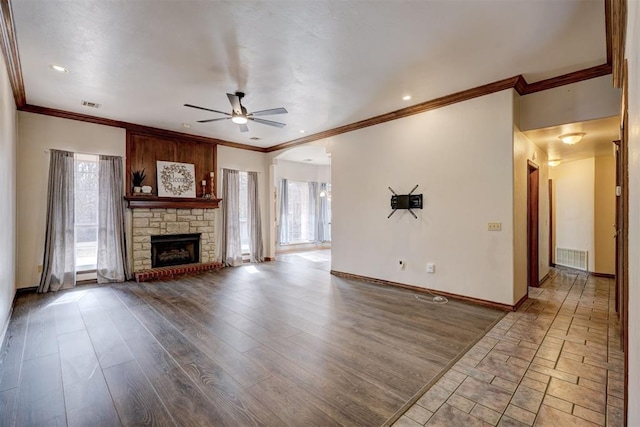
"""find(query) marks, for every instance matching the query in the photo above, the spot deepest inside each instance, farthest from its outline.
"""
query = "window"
(86, 211)
(244, 212)
(301, 220)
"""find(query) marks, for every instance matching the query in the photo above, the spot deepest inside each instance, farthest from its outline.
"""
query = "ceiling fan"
(239, 114)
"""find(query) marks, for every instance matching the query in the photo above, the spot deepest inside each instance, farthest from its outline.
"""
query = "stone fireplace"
(172, 224)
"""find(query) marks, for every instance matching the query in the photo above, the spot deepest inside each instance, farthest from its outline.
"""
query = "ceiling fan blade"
(268, 122)
(280, 110)
(235, 102)
(213, 120)
(206, 109)
(243, 128)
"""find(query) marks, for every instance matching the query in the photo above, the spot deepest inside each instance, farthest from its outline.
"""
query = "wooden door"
(532, 225)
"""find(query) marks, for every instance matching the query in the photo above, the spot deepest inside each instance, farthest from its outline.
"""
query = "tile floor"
(554, 362)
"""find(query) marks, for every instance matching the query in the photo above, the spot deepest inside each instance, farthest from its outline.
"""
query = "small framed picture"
(176, 179)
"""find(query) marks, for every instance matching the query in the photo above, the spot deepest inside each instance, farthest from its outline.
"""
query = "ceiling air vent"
(90, 104)
(254, 138)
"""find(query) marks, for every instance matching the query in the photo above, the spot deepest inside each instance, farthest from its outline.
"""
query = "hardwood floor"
(268, 344)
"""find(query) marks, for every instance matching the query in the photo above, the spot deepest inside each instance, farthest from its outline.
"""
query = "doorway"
(532, 224)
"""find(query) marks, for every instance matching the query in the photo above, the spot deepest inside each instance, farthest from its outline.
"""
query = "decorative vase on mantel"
(137, 178)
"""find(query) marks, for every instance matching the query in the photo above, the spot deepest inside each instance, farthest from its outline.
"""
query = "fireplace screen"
(175, 249)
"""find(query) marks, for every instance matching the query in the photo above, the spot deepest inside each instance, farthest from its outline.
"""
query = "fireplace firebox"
(175, 249)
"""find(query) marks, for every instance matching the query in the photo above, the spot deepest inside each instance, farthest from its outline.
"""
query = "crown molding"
(9, 45)
(518, 83)
(615, 24)
(135, 127)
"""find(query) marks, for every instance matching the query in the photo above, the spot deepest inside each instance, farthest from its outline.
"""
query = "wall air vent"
(573, 258)
(90, 104)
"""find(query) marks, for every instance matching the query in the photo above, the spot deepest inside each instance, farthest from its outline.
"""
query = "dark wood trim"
(567, 79)
(134, 127)
(521, 301)
(608, 31)
(618, 26)
(518, 83)
(433, 104)
(268, 258)
(9, 45)
(484, 303)
(541, 281)
(605, 275)
(154, 202)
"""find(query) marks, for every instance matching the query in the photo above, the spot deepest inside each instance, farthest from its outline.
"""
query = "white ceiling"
(330, 63)
(311, 154)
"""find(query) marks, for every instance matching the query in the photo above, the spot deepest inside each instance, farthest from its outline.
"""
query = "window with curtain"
(305, 212)
(85, 220)
(241, 221)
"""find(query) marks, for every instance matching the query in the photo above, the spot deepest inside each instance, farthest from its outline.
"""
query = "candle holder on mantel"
(204, 188)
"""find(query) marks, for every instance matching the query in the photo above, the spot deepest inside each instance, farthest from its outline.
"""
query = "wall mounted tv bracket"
(405, 201)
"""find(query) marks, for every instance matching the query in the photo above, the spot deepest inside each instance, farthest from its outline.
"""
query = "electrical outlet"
(495, 226)
(431, 268)
(40, 269)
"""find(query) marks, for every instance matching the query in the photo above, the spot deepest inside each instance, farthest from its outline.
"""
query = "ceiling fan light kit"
(239, 113)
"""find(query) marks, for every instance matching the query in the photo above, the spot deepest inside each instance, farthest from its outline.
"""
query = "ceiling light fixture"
(553, 163)
(301, 130)
(406, 97)
(186, 125)
(58, 68)
(239, 120)
(572, 138)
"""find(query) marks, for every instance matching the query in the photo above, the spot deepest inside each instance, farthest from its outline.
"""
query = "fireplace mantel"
(152, 202)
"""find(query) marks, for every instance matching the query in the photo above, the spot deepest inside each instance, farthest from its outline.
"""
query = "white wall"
(573, 198)
(577, 102)
(250, 161)
(462, 158)
(524, 151)
(8, 194)
(36, 135)
(633, 57)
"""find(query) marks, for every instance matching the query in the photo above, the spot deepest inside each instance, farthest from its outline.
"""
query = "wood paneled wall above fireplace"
(144, 149)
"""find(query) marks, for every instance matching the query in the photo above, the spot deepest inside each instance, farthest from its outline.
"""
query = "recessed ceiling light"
(301, 130)
(406, 97)
(58, 68)
(186, 125)
(308, 160)
(553, 163)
